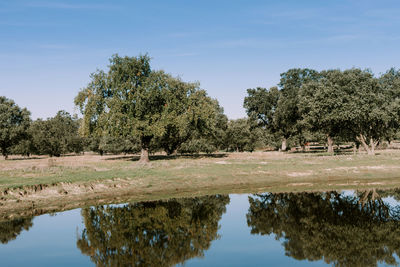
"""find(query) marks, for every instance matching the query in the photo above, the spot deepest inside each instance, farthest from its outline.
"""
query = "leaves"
(14, 123)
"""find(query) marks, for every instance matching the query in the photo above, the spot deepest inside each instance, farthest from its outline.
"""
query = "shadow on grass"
(324, 152)
(170, 157)
(24, 158)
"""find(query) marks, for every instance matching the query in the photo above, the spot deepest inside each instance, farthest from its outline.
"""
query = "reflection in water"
(9, 230)
(159, 233)
(342, 229)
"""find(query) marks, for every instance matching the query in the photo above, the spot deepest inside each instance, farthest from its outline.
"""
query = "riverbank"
(50, 184)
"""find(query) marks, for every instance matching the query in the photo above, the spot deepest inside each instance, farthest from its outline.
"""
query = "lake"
(345, 228)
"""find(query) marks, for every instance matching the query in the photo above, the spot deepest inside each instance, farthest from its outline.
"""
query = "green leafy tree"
(352, 104)
(209, 138)
(132, 100)
(14, 123)
(197, 117)
(323, 106)
(115, 145)
(57, 135)
(287, 116)
(157, 233)
(341, 229)
(241, 136)
(260, 105)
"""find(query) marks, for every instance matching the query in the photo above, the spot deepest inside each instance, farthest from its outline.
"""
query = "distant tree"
(116, 145)
(210, 138)
(260, 105)
(240, 136)
(57, 135)
(287, 117)
(370, 112)
(353, 105)
(390, 81)
(154, 233)
(323, 106)
(204, 121)
(14, 123)
(25, 147)
(132, 100)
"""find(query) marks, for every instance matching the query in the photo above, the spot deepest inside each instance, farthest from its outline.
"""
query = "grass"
(41, 184)
(268, 169)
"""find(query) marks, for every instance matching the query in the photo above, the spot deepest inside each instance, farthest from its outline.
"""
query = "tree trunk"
(284, 147)
(369, 148)
(330, 144)
(372, 144)
(144, 156)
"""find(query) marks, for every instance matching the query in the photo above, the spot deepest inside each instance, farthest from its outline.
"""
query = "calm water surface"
(290, 229)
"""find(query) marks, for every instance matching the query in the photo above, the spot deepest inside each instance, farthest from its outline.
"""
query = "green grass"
(252, 170)
(77, 181)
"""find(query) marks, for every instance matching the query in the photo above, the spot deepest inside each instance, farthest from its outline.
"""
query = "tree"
(116, 145)
(287, 117)
(197, 117)
(323, 106)
(260, 105)
(210, 137)
(14, 122)
(370, 112)
(240, 136)
(341, 229)
(153, 233)
(133, 100)
(57, 135)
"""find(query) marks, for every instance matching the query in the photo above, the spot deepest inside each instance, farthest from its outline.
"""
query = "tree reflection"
(345, 230)
(159, 233)
(9, 230)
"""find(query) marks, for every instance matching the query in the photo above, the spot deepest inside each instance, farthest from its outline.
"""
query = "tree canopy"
(14, 123)
(57, 135)
(351, 105)
(131, 99)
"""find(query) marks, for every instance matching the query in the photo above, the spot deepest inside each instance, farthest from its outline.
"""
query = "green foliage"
(158, 233)
(240, 136)
(261, 104)
(197, 145)
(132, 100)
(57, 135)
(349, 105)
(25, 147)
(287, 115)
(115, 145)
(14, 123)
(352, 104)
(343, 230)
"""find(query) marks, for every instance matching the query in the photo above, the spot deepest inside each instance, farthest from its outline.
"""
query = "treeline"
(62, 134)
(131, 108)
(54, 136)
(346, 106)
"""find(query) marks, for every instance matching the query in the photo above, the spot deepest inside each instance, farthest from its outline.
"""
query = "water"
(303, 229)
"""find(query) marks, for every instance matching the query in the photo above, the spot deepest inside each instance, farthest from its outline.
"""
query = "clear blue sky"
(49, 48)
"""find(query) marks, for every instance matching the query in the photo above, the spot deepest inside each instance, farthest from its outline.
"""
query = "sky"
(49, 48)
